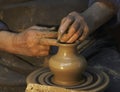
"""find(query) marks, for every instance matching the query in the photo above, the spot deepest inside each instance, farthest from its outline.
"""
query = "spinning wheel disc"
(93, 80)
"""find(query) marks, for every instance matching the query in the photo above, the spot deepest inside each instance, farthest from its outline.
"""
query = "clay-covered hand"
(72, 28)
(34, 41)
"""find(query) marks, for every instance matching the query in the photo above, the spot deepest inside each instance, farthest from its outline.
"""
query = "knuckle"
(72, 13)
(75, 26)
(70, 18)
(30, 38)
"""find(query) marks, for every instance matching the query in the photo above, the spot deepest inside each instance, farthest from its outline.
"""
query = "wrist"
(6, 39)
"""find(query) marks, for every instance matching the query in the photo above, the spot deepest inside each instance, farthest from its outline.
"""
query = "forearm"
(97, 15)
(6, 41)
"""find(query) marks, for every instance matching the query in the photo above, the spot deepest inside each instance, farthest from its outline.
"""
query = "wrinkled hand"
(72, 28)
(34, 41)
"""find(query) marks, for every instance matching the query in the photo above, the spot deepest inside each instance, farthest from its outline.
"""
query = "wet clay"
(67, 66)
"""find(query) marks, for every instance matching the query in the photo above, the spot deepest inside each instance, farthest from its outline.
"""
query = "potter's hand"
(72, 28)
(34, 41)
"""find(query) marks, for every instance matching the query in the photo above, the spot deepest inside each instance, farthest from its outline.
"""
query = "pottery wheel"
(93, 80)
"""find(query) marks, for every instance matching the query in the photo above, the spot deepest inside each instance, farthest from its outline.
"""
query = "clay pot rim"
(66, 44)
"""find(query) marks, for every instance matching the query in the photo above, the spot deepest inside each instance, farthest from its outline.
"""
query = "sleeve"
(112, 3)
(3, 26)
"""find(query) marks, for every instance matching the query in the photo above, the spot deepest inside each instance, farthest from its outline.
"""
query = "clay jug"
(67, 66)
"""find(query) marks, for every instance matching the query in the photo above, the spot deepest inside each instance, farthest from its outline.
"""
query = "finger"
(44, 47)
(50, 35)
(39, 28)
(85, 32)
(49, 42)
(38, 48)
(35, 28)
(63, 20)
(82, 44)
(43, 53)
(76, 35)
(74, 27)
(47, 34)
(63, 28)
